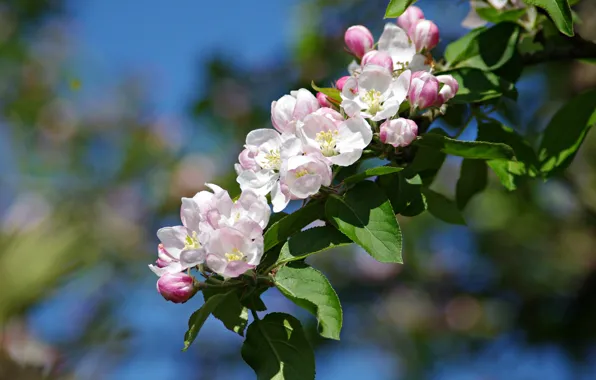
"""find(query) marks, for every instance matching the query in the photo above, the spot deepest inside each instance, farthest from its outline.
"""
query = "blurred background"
(110, 111)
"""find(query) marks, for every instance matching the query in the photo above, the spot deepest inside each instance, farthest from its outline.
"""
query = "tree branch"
(576, 48)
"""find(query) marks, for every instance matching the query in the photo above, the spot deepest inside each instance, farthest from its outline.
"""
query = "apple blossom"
(289, 109)
(301, 177)
(341, 81)
(410, 17)
(448, 90)
(359, 40)
(177, 287)
(230, 253)
(425, 35)
(398, 132)
(375, 94)
(424, 90)
(269, 149)
(396, 42)
(379, 58)
(323, 100)
(340, 142)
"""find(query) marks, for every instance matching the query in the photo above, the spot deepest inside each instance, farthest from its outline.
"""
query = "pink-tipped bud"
(322, 99)
(359, 40)
(177, 287)
(398, 132)
(340, 82)
(425, 35)
(449, 89)
(379, 58)
(410, 17)
(424, 90)
(247, 161)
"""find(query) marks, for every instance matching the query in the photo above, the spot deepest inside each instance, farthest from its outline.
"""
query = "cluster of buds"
(294, 160)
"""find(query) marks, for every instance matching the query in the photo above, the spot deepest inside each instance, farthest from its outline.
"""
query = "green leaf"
(292, 223)
(198, 318)
(472, 180)
(311, 241)
(559, 11)
(480, 150)
(494, 131)
(504, 170)
(397, 7)
(486, 49)
(310, 289)
(378, 171)
(276, 348)
(332, 93)
(442, 208)
(365, 215)
(566, 132)
(251, 299)
(229, 310)
(496, 16)
(427, 162)
(478, 86)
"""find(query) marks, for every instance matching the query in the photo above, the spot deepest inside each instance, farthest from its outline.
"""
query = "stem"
(254, 315)
(222, 285)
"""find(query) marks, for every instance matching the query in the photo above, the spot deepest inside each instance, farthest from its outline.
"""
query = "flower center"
(327, 143)
(301, 173)
(373, 99)
(192, 241)
(270, 159)
(234, 255)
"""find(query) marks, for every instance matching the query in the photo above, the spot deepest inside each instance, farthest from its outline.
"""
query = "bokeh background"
(110, 111)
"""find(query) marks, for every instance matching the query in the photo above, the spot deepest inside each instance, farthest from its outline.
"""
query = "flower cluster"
(224, 235)
(310, 135)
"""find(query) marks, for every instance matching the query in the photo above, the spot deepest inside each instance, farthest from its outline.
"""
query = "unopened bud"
(398, 132)
(379, 58)
(322, 99)
(425, 35)
(410, 17)
(340, 82)
(449, 89)
(424, 90)
(359, 40)
(176, 287)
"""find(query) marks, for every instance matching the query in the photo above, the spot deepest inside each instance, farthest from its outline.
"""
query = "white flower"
(340, 141)
(375, 94)
(181, 246)
(230, 253)
(301, 177)
(396, 42)
(268, 149)
(289, 109)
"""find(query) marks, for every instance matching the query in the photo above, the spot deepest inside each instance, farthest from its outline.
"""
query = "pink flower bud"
(246, 158)
(177, 287)
(449, 89)
(410, 17)
(424, 90)
(323, 101)
(398, 132)
(163, 257)
(379, 58)
(340, 82)
(425, 35)
(359, 40)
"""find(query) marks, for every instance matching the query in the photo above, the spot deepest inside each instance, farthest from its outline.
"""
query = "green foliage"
(442, 207)
(559, 11)
(472, 180)
(378, 171)
(198, 318)
(276, 348)
(229, 310)
(311, 241)
(480, 150)
(494, 15)
(310, 289)
(477, 86)
(566, 132)
(290, 224)
(397, 7)
(364, 214)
